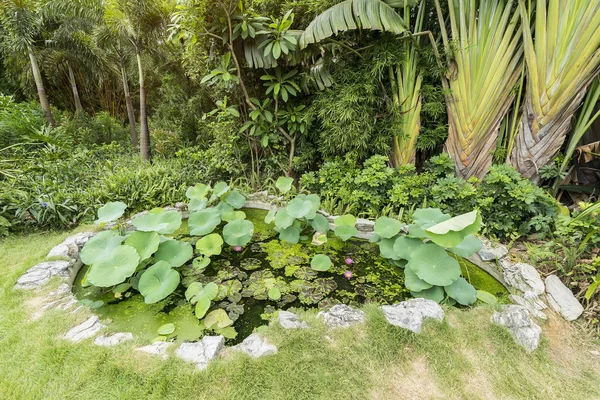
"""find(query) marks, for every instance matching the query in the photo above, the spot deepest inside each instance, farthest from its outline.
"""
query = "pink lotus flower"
(348, 274)
(349, 261)
(237, 248)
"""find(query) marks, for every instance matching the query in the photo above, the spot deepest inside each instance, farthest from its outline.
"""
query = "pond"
(358, 275)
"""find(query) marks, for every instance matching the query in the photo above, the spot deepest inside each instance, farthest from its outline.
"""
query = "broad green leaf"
(166, 329)
(235, 199)
(432, 264)
(404, 246)
(113, 269)
(284, 184)
(217, 319)
(163, 222)
(413, 282)
(435, 293)
(204, 222)
(462, 291)
(283, 219)
(100, 246)
(303, 206)
(426, 217)
(220, 189)
(274, 293)
(291, 234)
(110, 212)
(345, 220)
(320, 262)
(469, 246)
(238, 232)
(198, 192)
(123, 287)
(228, 332)
(345, 232)
(210, 245)
(158, 282)
(270, 217)
(200, 263)
(487, 297)
(387, 227)
(202, 306)
(233, 215)
(146, 243)
(224, 208)
(320, 224)
(452, 232)
(174, 252)
(386, 249)
(197, 204)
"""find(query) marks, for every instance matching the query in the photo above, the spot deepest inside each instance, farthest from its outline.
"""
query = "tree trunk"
(130, 113)
(78, 107)
(144, 132)
(37, 75)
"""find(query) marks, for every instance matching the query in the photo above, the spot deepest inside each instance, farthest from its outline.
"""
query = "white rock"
(530, 301)
(64, 250)
(524, 331)
(289, 320)
(342, 315)
(79, 239)
(202, 352)
(492, 252)
(522, 276)
(113, 340)
(41, 273)
(83, 331)
(411, 314)
(255, 346)
(561, 299)
(157, 349)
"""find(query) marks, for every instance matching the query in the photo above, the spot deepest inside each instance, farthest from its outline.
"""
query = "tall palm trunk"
(144, 132)
(78, 106)
(37, 75)
(130, 112)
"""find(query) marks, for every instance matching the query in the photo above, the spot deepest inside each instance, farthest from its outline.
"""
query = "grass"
(465, 357)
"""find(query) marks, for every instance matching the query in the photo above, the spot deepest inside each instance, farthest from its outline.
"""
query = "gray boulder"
(412, 313)
(157, 349)
(79, 239)
(113, 340)
(289, 320)
(342, 315)
(561, 299)
(518, 321)
(202, 352)
(85, 330)
(41, 273)
(64, 250)
(530, 301)
(492, 252)
(255, 346)
(522, 276)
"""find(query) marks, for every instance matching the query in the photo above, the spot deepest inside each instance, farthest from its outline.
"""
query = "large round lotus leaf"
(284, 184)
(202, 306)
(386, 249)
(345, 232)
(462, 291)
(426, 217)
(197, 204)
(224, 208)
(238, 232)
(174, 252)
(404, 246)
(210, 245)
(320, 262)
(100, 246)
(113, 269)
(304, 206)
(217, 319)
(416, 231)
(163, 222)
(233, 215)
(110, 212)
(204, 222)
(345, 220)
(432, 264)
(200, 263)
(198, 192)
(413, 282)
(291, 234)
(469, 246)
(320, 224)
(387, 227)
(283, 219)
(196, 291)
(146, 243)
(158, 282)
(435, 293)
(270, 217)
(235, 199)
(452, 232)
(220, 189)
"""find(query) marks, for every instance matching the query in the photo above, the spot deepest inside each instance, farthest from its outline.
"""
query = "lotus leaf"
(413, 282)
(487, 297)
(283, 219)
(435, 293)
(270, 217)
(166, 329)
(220, 189)
(274, 293)
(158, 282)
(96, 304)
(196, 291)
(320, 224)
(210, 245)
(426, 217)
(387, 227)
(320, 262)
(202, 306)
(386, 248)
(200, 191)
(432, 264)
(204, 222)
(345, 232)
(217, 319)
(238, 232)
(100, 246)
(462, 291)
(114, 268)
(174, 252)
(123, 287)
(229, 332)
(197, 204)
(233, 215)
(200, 263)
(452, 232)
(345, 220)
(404, 246)
(110, 212)
(163, 222)
(291, 234)
(146, 243)
(224, 208)
(469, 246)
(304, 206)
(284, 184)
(235, 199)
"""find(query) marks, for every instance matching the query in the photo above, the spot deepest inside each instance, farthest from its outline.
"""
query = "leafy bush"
(19, 122)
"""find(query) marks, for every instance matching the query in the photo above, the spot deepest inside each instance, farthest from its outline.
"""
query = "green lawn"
(465, 357)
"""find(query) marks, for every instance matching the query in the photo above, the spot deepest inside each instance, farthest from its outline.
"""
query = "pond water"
(358, 275)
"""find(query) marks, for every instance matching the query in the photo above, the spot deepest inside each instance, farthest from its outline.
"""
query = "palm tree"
(141, 22)
(562, 62)
(22, 23)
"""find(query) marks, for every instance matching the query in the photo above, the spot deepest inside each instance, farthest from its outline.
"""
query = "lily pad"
(345, 220)
(404, 246)
(217, 319)
(163, 222)
(204, 222)
(284, 184)
(345, 232)
(432, 264)
(291, 234)
(469, 246)
(426, 217)
(100, 246)
(238, 233)
(158, 282)
(386, 249)
(166, 329)
(146, 243)
(200, 191)
(250, 264)
(452, 232)
(462, 291)
(210, 245)
(435, 293)
(283, 219)
(320, 224)
(113, 269)
(200, 263)
(304, 206)
(235, 199)
(274, 293)
(110, 212)
(413, 282)
(320, 262)
(387, 227)
(174, 252)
